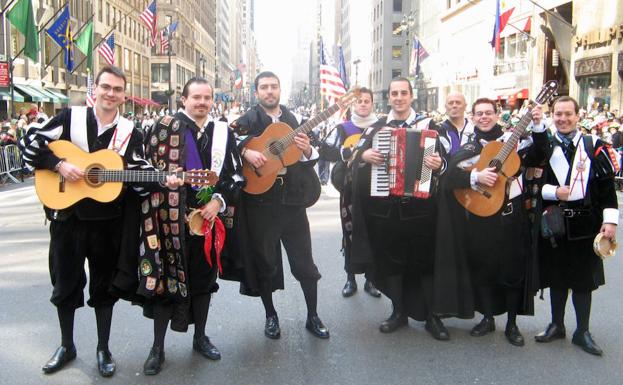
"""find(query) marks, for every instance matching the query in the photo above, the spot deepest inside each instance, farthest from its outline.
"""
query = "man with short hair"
(88, 229)
(459, 129)
(279, 215)
(580, 180)
(178, 275)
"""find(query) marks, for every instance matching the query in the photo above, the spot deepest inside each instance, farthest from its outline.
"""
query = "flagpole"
(11, 60)
(59, 52)
(7, 6)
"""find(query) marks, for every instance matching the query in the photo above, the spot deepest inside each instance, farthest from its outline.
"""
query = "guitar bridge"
(61, 183)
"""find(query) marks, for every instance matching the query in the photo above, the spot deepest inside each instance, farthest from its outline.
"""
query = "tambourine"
(604, 247)
(195, 223)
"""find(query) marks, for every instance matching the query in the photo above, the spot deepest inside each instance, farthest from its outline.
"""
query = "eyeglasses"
(484, 113)
(106, 88)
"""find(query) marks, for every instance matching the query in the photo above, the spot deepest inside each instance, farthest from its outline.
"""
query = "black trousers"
(269, 226)
(71, 241)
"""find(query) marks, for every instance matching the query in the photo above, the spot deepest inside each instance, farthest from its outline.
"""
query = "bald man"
(459, 128)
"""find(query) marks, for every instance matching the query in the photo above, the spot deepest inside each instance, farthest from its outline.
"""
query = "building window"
(137, 63)
(397, 5)
(107, 14)
(126, 59)
(397, 52)
(159, 73)
(594, 91)
(396, 73)
(100, 10)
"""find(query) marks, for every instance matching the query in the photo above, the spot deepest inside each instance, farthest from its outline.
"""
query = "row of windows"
(130, 27)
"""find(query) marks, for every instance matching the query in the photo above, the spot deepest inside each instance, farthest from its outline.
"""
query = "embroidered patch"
(162, 165)
(145, 206)
(155, 201)
(141, 249)
(228, 222)
(150, 284)
(162, 149)
(167, 244)
(173, 167)
(160, 289)
(172, 271)
(157, 258)
(174, 140)
(164, 214)
(174, 200)
(165, 229)
(183, 291)
(172, 285)
(152, 241)
(146, 268)
(174, 154)
(162, 135)
(176, 243)
(181, 276)
(166, 120)
(149, 225)
(171, 259)
(175, 229)
(154, 140)
(176, 126)
(174, 214)
(217, 159)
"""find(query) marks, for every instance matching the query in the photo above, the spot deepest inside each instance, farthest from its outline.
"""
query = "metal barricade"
(11, 163)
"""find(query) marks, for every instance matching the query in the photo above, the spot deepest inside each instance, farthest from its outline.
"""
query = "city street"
(356, 353)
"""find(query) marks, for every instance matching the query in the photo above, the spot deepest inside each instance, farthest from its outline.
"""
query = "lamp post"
(356, 64)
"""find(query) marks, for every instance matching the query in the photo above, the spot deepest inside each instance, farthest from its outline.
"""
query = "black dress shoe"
(394, 322)
(553, 332)
(437, 329)
(485, 326)
(369, 288)
(316, 327)
(153, 364)
(350, 288)
(205, 347)
(585, 341)
(513, 335)
(105, 363)
(61, 356)
(271, 328)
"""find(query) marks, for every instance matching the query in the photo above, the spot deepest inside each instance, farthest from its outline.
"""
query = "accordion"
(404, 173)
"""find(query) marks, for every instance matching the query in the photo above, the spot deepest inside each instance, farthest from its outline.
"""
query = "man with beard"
(361, 118)
(279, 214)
(399, 231)
(497, 248)
(579, 178)
(458, 128)
(88, 229)
(178, 267)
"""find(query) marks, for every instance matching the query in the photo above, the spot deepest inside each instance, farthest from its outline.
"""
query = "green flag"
(23, 18)
(84, 43)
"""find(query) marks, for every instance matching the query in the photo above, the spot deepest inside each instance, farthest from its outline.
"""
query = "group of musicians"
(431, 257)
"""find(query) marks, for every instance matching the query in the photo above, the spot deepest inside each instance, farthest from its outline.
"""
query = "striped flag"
(164, 36)
(418, 54)
(107, 49)
(331, 84)
(149, 18)
(90, 92)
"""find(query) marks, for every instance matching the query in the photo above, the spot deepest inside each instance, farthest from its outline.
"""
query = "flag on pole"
(60, 32)
(342, 67)
(238, 79)
(90, 92)
(331, 84)
(23, 19)
(149, 18)
(107, 49)
(501, 19)
(418, 54)
(84, 43)
(165, 34)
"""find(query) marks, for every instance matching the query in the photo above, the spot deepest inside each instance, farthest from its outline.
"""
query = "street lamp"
(356, 63)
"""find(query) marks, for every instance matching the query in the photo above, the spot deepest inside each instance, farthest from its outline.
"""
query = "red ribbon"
(219, 241)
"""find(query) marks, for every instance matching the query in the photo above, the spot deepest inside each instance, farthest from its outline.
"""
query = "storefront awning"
(513, 94)
(57, 96)
(6, 95)
(141, 101)
(31, 93)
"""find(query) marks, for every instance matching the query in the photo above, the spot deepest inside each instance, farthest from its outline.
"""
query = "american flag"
(418, 54)
(331, 84)
(164, 36)
(90, 93)
(149, 18)
(107, 49)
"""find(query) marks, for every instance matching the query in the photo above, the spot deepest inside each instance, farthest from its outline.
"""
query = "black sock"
(66, 322)
(350, 277)
(484, 295)
(558, 298)
(103, 317)
(310, 291)
(582, 305)
(513, 303)
(267, 301)
(162, 315)
(394, 292)
(201, 305)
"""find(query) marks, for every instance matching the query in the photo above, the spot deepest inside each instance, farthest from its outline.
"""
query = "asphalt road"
(356, 353)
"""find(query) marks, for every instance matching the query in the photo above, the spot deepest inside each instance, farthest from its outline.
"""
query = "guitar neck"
(134, 175)
(518, 131)
(310, 124)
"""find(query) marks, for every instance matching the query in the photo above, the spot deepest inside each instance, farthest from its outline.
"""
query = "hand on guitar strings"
(210, 210)
(487, 176)
(255, 158)
(433, 161)
(173, 182)
(301, 140)
(373, 156)
(609, 230)
(70, 172)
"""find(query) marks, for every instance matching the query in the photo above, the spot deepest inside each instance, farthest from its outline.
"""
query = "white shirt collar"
(408, 121)
(101, 129)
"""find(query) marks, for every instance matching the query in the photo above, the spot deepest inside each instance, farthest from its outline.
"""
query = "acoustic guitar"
(277, 145)
(103, 177)
(486, 201)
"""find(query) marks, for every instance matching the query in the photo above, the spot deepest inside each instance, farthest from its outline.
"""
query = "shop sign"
(4, 74)
(593, 65)
(599, 38)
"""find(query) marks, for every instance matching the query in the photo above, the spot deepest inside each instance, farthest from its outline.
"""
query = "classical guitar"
(486, 201)
(103, 177)
(277, 145)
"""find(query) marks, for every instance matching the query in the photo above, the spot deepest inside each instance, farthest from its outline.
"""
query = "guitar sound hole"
(92, 176)
(275, 148)
(496, 163)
